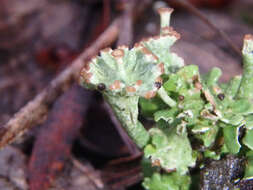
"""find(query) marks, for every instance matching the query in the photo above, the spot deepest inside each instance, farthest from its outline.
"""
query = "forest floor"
(40, 39)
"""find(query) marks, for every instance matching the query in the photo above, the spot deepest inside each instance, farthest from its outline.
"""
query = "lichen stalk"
(126, 110)
(246, 87)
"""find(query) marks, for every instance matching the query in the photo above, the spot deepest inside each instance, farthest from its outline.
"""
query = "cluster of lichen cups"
(184, 104)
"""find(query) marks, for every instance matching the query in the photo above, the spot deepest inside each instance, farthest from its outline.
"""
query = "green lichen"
(167, 145)
(246, 85)
(196, 116)
(210, 111)
(123, 75)
(167, 181)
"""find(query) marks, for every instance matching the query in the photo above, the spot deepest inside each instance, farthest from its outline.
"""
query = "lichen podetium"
(185, 105)
(127, 74)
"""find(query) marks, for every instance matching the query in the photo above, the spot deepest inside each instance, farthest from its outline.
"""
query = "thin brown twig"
(123, 160)
(95, 179)
(133, 179)
(124, 171)
(126, 139)
(127, 172)
(126, 34)
(35, 110)
(132, 10)
(197, 13)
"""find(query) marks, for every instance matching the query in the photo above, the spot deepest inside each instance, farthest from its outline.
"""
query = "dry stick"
(133, 149)
(33, 112)
(126, 34)
(125, 177)
(133, 179)
(197, 13)
(89, 173)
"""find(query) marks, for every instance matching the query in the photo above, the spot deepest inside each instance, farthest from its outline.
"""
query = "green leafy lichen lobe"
(186, 106)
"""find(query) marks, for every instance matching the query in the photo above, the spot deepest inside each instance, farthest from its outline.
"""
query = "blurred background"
(40, 38)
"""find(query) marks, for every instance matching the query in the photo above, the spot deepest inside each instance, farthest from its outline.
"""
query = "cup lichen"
(195, 107)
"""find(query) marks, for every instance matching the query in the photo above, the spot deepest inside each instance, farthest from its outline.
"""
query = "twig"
(97, 182)
(197, 13)
(124, 160)
(123, 172)
(133, 179)
(33, 112)
(126, 139)
(132, 11)
(126, 34)
(128, 172)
